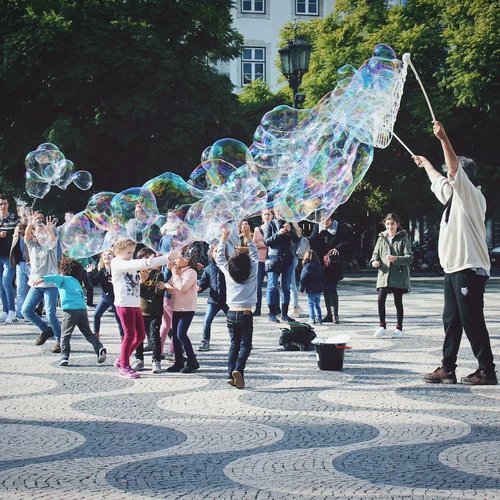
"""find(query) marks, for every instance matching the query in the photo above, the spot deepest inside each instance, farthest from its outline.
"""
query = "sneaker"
(117, 363)
(296, 312)
(138, 365)
(190, 367)
(397, 333)
(175, 368)
(128, 372)
(440, 376)
(312, 321)
(319, 321)
(204, 346)
(480, 377)
(15, 320)
(64, 362)
(379, 332)
(44, 336)
(273, 318)
(287, 319)
(56, 349)
(3, 317)
(239, 381)
(231, 382)
(101, 357)
(328, 319)
(156, 367)
(10, 316)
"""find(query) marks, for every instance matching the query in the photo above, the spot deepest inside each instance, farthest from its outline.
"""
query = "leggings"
(133, 328)
(398, 302)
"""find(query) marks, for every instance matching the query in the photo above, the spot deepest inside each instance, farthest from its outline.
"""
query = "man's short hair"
(468, 166)
(239, 267)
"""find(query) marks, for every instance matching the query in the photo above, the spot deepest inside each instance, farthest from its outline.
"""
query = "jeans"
(464, 309)
(212, 310)
(79, 318)
(49, 296)
(313, 302)
(22, 277)
(261, 273)
(293, 285)
(240, 327)
(6, 288)
(102, 307)
(272, 294)
(181, 320)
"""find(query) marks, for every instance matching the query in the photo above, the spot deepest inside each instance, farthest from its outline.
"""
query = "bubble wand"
(403, 144)
(407, 60)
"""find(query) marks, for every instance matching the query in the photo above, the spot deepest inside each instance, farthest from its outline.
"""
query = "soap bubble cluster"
(302, 162)
(47, 166)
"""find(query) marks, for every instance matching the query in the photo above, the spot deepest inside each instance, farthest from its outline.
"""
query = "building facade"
(259, 21)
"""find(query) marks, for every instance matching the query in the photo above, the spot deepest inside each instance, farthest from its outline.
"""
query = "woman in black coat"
(331, 240)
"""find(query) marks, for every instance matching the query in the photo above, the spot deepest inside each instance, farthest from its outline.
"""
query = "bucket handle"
(343, 347)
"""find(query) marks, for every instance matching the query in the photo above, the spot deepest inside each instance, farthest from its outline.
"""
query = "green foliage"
(125, 89)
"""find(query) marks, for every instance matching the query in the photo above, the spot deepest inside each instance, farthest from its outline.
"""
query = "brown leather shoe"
(440, 376)
(480, 377)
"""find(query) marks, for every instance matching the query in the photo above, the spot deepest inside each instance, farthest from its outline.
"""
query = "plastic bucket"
(330, 356)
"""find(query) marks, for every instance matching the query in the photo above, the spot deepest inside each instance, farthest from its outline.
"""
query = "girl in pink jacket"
(184, 289)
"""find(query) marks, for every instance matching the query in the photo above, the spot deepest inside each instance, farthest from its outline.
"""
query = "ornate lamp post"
(294, 64)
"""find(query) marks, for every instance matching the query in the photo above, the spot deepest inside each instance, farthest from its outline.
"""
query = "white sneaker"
(10, 316)
(397, 334)
(3, 317)
(137, 365)
(380, 332)
(15, 320)
(156, 367)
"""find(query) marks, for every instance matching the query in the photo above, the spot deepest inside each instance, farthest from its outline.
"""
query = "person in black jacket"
(214, 279)
(312, 281)
(278, 237)
(331, 240)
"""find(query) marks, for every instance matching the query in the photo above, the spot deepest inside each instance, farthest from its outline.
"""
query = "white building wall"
(261, 31)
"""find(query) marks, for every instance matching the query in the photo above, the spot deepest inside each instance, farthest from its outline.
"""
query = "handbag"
(302, 247)
(274, 264)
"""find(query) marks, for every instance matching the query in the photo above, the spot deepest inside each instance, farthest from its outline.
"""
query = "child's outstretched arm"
(220, 256)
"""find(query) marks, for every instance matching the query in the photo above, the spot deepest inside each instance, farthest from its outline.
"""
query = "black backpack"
(298, 337)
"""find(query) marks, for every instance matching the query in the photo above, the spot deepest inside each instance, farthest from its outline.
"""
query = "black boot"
(284, 313)
(328, 318)
(335, 305)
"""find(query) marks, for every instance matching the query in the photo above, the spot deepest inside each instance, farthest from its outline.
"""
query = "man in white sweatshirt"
(464, 257)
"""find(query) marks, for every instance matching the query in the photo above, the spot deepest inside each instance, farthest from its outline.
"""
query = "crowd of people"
(154, 296)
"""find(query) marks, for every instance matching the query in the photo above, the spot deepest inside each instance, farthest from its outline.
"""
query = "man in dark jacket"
(331, 240)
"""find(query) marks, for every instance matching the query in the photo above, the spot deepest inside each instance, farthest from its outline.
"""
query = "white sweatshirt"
(126, 281)
(462, 241)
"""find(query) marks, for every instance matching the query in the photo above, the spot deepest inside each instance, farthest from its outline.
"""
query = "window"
(252, 6)
(307, 7)
(253, 64)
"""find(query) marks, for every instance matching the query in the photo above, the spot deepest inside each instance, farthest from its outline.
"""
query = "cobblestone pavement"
(372, 430)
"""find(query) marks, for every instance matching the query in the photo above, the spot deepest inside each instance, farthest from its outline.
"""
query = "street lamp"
(294, 64)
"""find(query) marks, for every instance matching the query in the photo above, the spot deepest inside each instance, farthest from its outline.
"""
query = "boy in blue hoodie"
(74, 308)
(240, 272)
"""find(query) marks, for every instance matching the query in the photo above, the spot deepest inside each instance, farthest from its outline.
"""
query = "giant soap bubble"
(301, 162)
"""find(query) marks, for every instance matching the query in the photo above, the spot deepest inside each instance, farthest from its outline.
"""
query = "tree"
(125, 89)
(453, 65)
